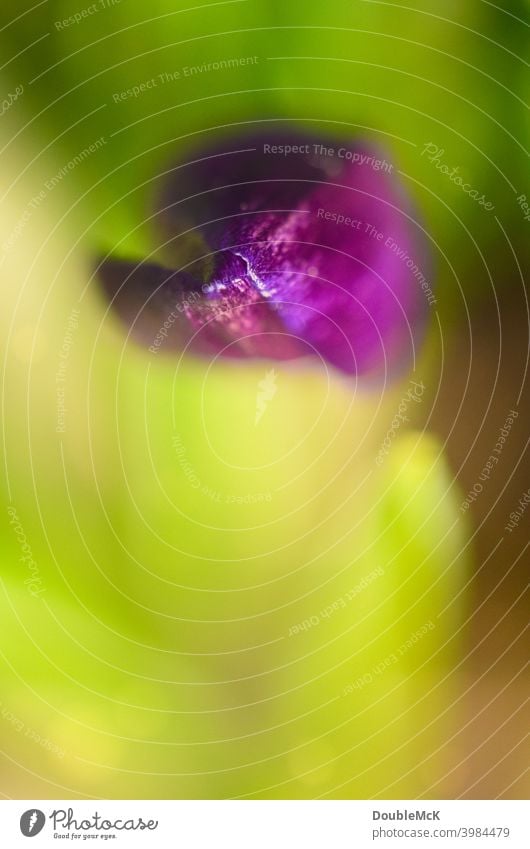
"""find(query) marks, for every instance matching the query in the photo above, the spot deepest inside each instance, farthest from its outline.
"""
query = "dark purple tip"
(281, 246)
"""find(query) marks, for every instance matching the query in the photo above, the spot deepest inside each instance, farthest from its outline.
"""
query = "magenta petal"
(171, 310)
(311, 252)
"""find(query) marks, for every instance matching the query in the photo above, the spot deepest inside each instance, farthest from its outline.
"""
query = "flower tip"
(299, 247)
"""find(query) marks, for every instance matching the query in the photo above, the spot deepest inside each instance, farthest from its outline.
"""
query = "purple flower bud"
(293, 247)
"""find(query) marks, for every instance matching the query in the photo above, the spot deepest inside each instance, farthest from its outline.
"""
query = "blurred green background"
(159, 659)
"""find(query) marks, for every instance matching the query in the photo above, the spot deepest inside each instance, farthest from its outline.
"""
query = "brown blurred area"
(485, 375)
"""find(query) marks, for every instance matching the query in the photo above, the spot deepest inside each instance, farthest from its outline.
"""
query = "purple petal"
(288, 255)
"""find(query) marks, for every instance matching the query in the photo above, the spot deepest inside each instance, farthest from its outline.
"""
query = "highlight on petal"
(281, 246)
